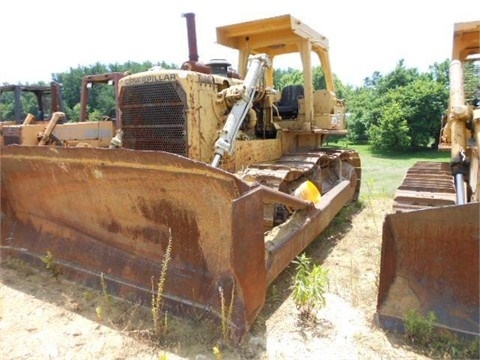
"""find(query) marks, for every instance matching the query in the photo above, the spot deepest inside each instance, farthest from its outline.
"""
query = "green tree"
(439, 72)
(75, 112)
(372, 82)
(318, 78)
(361, 104)
(7, 106)
(295, 77)
(71, 83)
(391, 133)
(471, 80)
(418, 107)
(416, 100)
(424, 101)
(290, 77)
(399, 77)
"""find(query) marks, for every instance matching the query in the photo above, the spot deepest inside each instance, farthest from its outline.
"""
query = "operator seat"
(288, 104)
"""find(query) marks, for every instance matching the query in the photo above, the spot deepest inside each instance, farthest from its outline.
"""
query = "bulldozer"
(54, 127)
(47, 97)
(430, 244)
(215, 179)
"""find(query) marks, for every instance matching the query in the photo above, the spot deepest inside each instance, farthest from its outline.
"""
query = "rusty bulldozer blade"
(112, 213)
(430, 263)
(111, 217)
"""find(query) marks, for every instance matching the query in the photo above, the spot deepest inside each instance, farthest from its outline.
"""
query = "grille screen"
(154, 117)
(11, 140)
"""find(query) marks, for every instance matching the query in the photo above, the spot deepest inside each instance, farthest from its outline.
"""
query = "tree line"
(398, 111)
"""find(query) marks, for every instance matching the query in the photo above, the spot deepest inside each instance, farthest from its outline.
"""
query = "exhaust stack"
(192, 64)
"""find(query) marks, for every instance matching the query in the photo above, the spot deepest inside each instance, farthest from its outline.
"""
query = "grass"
(382, 173)
(420, 331)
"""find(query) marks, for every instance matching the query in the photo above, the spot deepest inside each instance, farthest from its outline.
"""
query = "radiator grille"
(154, 117)
(12, 135)
(12, 140)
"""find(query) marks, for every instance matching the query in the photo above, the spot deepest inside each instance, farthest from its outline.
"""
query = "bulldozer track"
(294, 166)
(321, 166)
(426, 184)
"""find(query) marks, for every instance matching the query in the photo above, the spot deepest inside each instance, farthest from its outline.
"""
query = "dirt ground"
(45, 318)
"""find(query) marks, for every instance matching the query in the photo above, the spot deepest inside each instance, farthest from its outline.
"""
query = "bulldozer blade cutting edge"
(111, 214)
(430, 263)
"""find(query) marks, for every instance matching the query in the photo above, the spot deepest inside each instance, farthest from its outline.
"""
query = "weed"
(226, 312)
(420, 330)
(99, 311)
(106, 296)
(88, 295)
(157, 294)
(309, 286)
(217, 353)
(50, 265)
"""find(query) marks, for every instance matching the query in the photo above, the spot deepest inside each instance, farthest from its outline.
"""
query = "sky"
(40, 38)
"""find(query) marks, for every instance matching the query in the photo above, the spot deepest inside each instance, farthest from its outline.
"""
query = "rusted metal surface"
(287, 173)
(106, 211)
(193, 64)
(426, 184)
(110, 211)
(106, 79)
(430, 253)
(430, 262)
(283, 246)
